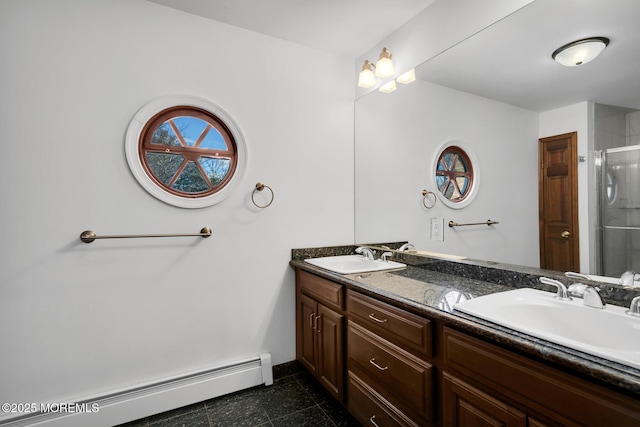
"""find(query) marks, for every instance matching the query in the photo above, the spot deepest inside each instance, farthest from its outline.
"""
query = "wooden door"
(558, 197)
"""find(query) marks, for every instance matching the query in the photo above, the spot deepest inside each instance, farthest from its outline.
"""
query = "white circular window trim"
(476, 174)
(157, 105)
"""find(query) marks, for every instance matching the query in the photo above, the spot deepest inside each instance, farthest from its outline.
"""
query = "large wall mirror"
(498, 92)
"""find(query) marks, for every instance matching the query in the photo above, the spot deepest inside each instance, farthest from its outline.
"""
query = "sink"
(349, 264)
(608, 333)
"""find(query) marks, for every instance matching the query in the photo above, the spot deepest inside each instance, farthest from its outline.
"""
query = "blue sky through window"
(191, 129)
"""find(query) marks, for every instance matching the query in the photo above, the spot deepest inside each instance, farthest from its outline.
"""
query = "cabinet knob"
(565, 234)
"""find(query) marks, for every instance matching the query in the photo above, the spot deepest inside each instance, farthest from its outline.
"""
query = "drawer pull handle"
(373, 362)
(316, 324)
(373, 317)
(311, 320)
(373, 421)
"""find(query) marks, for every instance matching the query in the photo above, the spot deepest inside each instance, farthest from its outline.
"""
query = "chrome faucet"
(590, 295)
(365, 252)
(591, 298)
(634, 309)
(386, 255)
(562, 289)
(405, 247)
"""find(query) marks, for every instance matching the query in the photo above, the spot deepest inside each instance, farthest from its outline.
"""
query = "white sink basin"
(349, 264)
(608, 333)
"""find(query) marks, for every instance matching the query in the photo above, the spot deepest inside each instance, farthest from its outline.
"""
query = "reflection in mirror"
(499, 92)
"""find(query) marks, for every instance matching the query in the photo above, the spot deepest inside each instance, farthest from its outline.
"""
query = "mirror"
(497, 93)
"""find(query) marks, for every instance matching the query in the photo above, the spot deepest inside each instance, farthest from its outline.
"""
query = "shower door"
(620, 210)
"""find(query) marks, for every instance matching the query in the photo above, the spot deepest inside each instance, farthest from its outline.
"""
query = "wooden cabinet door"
(465, 405)
(330, 345)
(307, 318)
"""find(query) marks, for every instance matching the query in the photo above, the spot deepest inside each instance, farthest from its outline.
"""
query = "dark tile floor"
(294, 400)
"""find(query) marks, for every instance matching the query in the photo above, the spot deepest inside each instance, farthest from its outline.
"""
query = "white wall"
(78, 319)
(397, 138)
(432, 32)
(579, 118)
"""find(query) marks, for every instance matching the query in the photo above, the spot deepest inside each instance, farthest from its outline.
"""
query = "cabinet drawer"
(564, 398)
(396, 325)
(400, 377)
(365, 404)
(322, 290)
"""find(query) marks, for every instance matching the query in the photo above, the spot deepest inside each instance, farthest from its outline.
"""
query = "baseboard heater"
(149, 399)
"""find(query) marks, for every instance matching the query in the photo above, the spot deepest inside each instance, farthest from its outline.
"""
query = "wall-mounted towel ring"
(428, 195)
(259, 187)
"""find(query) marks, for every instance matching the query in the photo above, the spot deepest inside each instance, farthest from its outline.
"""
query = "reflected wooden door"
(558, 195)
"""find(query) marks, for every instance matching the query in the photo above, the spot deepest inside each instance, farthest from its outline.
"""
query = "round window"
(185, 151)
(456, 177)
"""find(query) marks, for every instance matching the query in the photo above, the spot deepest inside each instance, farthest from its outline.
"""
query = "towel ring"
(259, 187)
(425, 195)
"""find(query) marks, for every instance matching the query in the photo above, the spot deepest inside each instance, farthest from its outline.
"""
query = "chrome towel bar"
(89, 236)
(489, 222)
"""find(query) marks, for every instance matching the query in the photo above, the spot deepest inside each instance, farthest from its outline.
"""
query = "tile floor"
(294, 400)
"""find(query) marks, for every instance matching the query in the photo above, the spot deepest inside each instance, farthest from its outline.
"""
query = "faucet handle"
(562, 289)
(385, 255)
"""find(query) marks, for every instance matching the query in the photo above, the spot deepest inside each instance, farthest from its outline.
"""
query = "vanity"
(389, 346)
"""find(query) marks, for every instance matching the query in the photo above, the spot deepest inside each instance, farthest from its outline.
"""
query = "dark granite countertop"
(431, 286)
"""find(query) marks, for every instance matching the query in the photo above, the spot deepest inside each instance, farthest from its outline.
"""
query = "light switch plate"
(437, 229)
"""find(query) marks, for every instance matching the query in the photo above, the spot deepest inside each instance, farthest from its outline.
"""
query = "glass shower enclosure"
(619, 200)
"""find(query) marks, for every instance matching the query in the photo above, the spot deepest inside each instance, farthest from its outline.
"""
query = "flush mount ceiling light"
(384, 69)
(580, 52)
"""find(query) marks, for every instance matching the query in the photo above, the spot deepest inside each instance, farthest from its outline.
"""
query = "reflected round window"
(456, 175)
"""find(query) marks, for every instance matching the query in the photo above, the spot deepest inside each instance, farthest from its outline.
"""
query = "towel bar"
(489, 222)
(89, 236)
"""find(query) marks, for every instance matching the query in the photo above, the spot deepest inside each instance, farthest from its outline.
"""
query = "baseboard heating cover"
(139, 402)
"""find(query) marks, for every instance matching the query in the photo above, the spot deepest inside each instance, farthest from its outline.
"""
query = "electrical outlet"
(437, 229)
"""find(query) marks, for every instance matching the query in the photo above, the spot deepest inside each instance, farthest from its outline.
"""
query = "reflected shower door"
(620, 209)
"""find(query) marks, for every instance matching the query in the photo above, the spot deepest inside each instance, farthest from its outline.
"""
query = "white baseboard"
(132, 404)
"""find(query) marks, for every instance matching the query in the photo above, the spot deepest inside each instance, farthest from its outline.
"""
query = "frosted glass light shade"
(388, 87)
(580, 52)
(366, 78)
(384, 66)
(408, 77)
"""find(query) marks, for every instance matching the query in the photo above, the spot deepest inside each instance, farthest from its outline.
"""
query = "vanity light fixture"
(366, 78)
(384, 66)
(580, 51)
(384, 69)
(408, 77)
(388, 87)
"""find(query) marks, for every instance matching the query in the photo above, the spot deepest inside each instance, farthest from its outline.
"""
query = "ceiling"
(344, 27)
(510, 61)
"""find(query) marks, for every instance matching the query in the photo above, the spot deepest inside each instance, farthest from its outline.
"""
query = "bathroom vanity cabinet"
(484, 384)
(320, 330)
(389, 370)
(394, 367)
